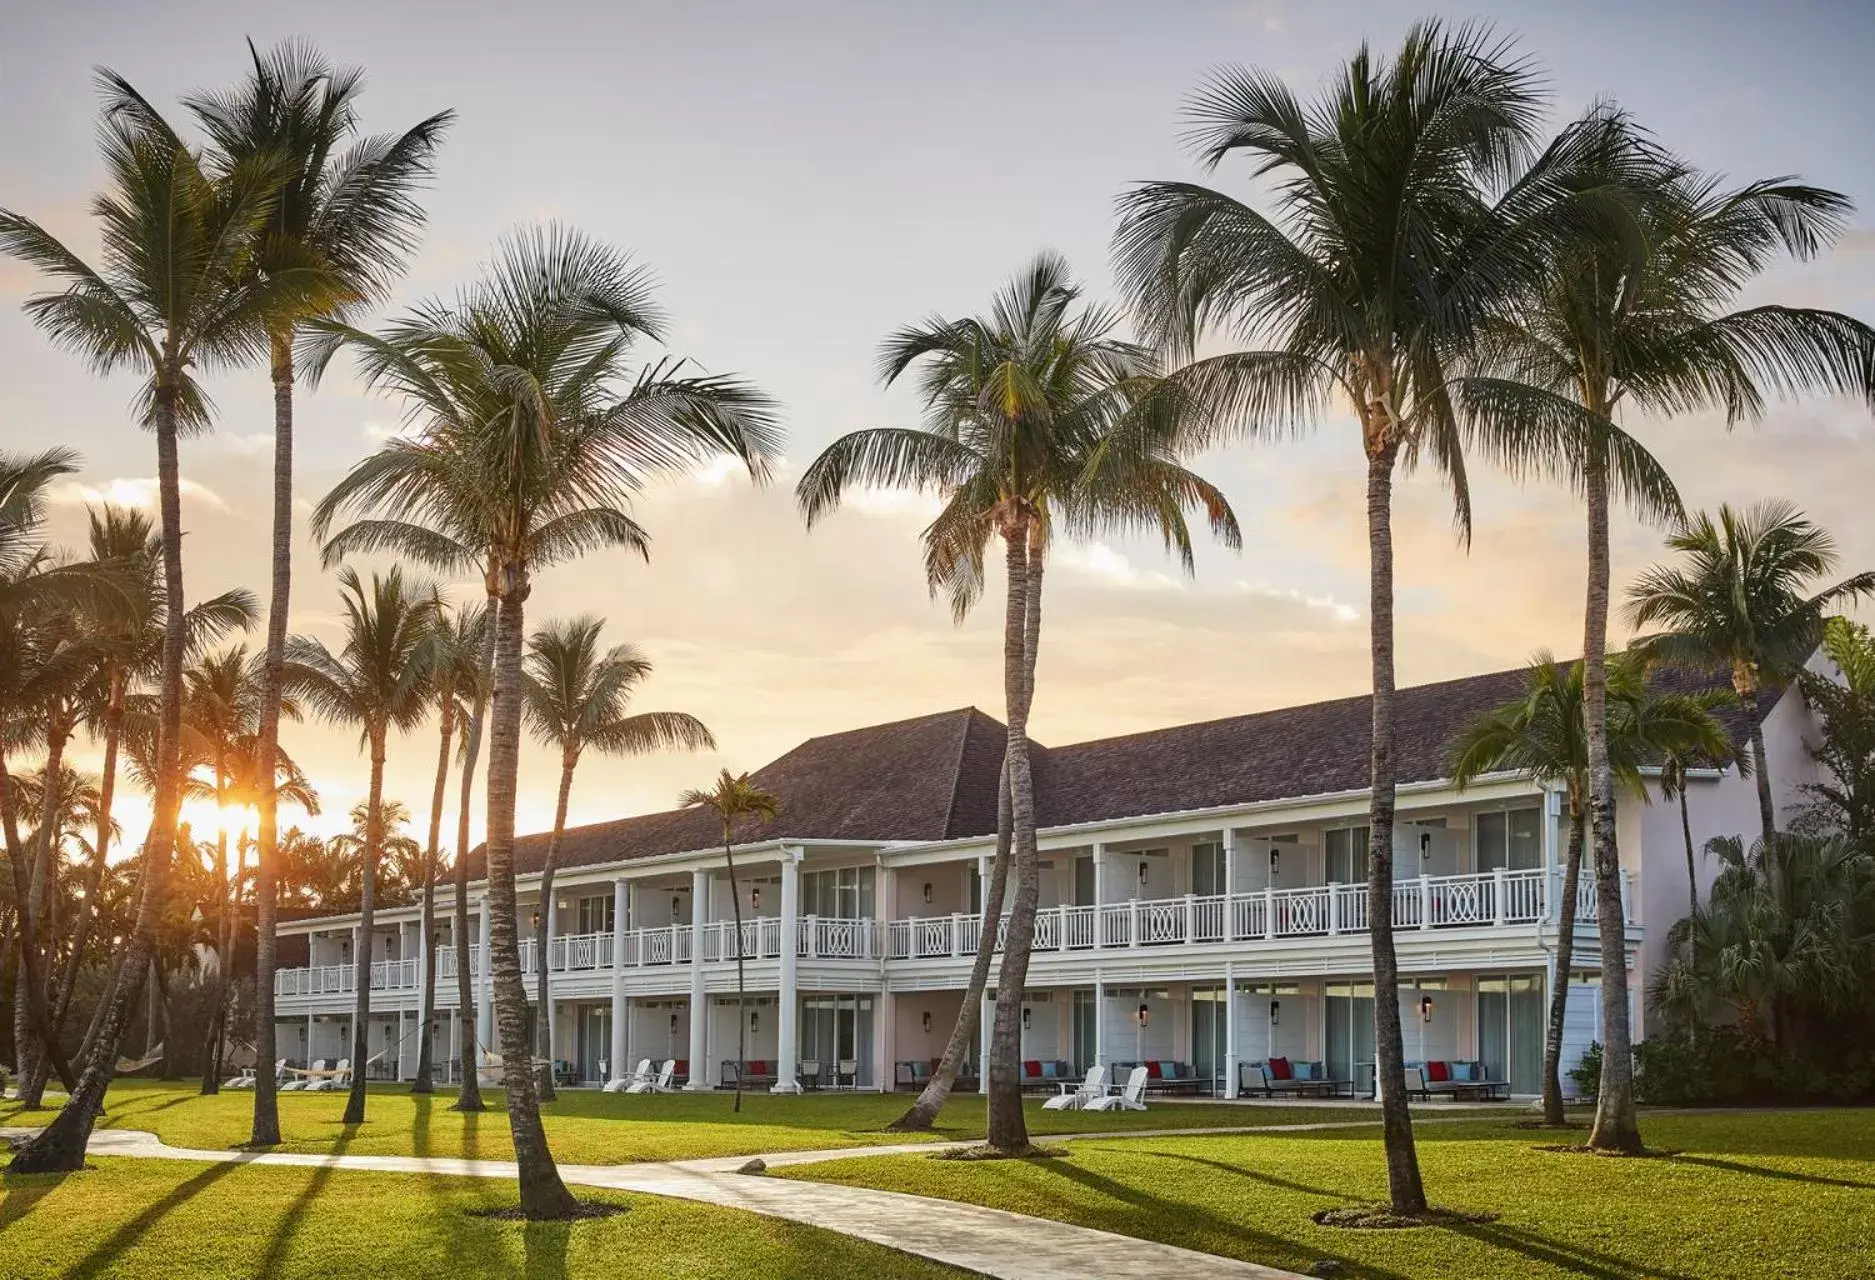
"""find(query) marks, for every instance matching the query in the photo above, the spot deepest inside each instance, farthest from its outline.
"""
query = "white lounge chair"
(341, 1078)
(640, 1073)
(1131, 1098)
(662, 1084)
(299, 1083)
(1075, 1095)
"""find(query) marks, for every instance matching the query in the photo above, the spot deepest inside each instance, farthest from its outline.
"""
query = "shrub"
(1587, 1073)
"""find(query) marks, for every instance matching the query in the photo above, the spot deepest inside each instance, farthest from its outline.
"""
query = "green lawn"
(1770, 1194)
(179, 1220)
(589, 1127)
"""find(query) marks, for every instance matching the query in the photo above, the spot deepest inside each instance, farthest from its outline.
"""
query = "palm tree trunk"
(469, 1096)
(100, 857)
(1617, 1126)
(34, 1034)
(426, 1014)
(60, 1147)
(367, 906)
(742, 990)
(1553, 1113)
(1692, 868)
(543, 1025)
(923, 1113)
(1405, 1189)
(218, 998)
(266, 1128)
(543, 1194)
(1767, 810)
(1008, 1128)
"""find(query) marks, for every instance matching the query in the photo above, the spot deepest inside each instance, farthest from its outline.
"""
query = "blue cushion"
(1305, 1070)
(1048, 1071)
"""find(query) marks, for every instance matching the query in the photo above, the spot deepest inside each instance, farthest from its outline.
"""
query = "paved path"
(990, 1241)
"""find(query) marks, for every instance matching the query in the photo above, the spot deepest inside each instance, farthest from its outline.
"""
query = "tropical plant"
(1038, 420)
(347, 209)
(575, 698)
(1638, 317)
(532, 438)
(379, 681)
(735, 798)
(175, 295)
(1544, 736)
(399, 870)
(1844, 801)
(1742, 601)
(1412, 205)
(455, 661)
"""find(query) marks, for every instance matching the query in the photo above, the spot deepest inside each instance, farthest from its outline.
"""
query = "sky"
(804, 177)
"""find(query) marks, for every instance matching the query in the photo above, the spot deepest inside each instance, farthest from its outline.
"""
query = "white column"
(484, 994)
(1100, 874)
(787, 1047)
(699, 999)
(621, 1007)
(550, 1013)
(985, 1012)
(1230, 1029)
(1100, 1013)
(403, 1032)
(452, 1041)
(309, 1040)
(885, 1041)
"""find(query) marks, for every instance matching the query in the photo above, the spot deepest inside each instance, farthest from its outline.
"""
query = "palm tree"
(317, 873)
(379, 681)
(1544, 736)
(1412, 205)
(734, 798)
(1742, 602)
(533, 437)
(1844, 800)
(1640, 317)
(575, 699)
(348, 208)
(399, 867)
(456, 645)
(175, 294)
(1037, 418)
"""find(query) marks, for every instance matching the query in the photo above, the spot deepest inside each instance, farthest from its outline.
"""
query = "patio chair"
(640, 1074)
(846, 1074)
(810, 1073)
(1076, 1094)
(298, 1083)
(661, 1084)
(1131, 1098)
(340, 1079)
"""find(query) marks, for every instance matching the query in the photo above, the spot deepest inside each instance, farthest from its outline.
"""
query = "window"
(1084, 882)
(1511, 839)
(844, 893)
(1207, 870)
(595, 914)
(1347, 855)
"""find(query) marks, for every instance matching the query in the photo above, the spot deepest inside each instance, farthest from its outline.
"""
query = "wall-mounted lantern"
(673, 1024)
(1276, 1012)
(927, 891)
(1144, 873)
(1276, 861)
(1141, 1015)
(1025, 1019)
(927, 1019)
(755, 899)
(1425, 1008)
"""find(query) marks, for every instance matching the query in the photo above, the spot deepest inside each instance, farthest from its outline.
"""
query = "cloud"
(1336, 609)
(1104, 565)
(129, 492)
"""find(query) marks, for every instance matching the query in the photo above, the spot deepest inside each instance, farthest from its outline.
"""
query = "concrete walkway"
(990, 1241)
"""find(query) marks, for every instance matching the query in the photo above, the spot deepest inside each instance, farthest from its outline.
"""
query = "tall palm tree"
(575, 698)
(533, 437)
(348, 206)
(1412, 203)
(1544, 736)
(175, 295)
(398, 872)
(735, 798)
(1743, 601)
(1641, 317)
(379, 681)
(1037, 419)
(456, 646)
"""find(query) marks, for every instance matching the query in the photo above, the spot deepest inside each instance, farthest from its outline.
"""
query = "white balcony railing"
(1472, 900)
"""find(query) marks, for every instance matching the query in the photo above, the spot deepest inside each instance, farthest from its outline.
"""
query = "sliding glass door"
(1350, 1034)
(1510, 1029)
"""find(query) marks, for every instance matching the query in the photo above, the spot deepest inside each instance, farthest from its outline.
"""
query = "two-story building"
(1202, 900)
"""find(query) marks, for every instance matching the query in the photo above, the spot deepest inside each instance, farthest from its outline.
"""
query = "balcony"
(1477, 900)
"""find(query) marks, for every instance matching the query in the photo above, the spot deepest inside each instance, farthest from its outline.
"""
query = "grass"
(589, 1127)
(179, 1220)
(1751, 1197)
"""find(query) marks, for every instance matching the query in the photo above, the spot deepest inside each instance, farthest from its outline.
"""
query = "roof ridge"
(957, 768)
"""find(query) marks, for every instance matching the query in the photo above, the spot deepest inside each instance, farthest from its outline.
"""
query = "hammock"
(126, 1065)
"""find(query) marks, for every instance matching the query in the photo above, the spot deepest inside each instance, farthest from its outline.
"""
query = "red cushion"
(1032, 1068)
(758, 1068)
(1280, 1069)
(683, 1067)
(1437, 1071)
(1153, 1071)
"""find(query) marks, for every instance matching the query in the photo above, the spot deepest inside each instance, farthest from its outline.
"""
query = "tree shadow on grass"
(21, 1191)
(1571, 1259)
(1256, 1175)
(1163, 1218)
(104, 1260)
(291, 1220)
(1782, 1175)
(544, 1246)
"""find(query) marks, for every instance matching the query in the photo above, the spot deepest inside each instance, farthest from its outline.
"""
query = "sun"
(208, 819)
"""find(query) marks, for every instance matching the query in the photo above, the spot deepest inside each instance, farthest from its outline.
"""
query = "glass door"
(838, 1030)
(1510, 1029)
(1209, 1027)
(1347, 855)
(1084, 1020)
(1207, 870)
(593, 1041)
(1350, 1034)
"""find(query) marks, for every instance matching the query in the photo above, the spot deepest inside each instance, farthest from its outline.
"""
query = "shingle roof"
(935, 777)
(929, 778)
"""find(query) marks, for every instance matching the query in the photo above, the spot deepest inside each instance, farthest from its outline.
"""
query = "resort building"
(1203, 903)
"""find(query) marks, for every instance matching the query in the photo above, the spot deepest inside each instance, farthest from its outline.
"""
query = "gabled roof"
(935, 777)
(929, 778)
